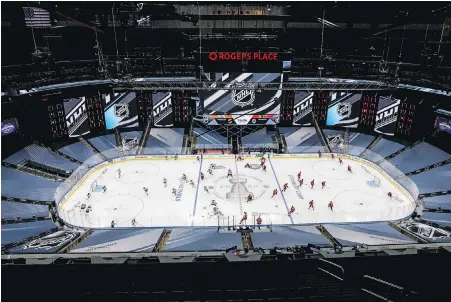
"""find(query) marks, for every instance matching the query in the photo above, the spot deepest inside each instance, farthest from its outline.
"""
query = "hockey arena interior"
(314, 136)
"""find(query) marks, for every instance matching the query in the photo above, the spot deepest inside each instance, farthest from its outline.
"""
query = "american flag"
(36, 17)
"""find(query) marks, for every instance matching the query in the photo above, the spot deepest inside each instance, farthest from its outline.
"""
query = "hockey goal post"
(377, 181)
(94, 186)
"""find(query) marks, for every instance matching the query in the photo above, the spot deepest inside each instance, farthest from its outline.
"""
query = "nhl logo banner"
(344, 109)
(244, 97)
(121, 110)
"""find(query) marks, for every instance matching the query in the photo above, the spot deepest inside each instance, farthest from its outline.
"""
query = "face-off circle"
(238, 188)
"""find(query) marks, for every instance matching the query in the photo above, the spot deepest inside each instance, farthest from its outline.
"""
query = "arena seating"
(258, 139)
(209, 140)
(386, 147)
(78, 151)
(20, 231)
(23, 185)
(421, 155)
(434, 180)
(288, 236)
(187, 239)
(106, 144)
(359, 142)
(165, 141)
(12, 210)
(443, 202)
(41, 155)
(442, 219)
(368, 233)
(132, 240)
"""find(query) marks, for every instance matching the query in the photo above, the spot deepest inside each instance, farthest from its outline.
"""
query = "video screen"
(9, 126)
(303, 103)
(242, 101)
(387, 115)
(121, 110)
(344, 109)
(162, 109)
(76, 116)
(441, 123)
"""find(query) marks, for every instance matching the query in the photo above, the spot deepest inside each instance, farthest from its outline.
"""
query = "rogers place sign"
(238, 56)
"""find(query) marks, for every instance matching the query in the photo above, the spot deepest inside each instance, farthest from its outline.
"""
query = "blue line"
(280, 189)
(198, 184)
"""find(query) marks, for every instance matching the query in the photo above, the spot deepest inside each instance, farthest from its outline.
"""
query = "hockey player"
(274, 193)
(202, 176)
(292, 209)
(285, 187)
(301, 181)
(213, 203)
(264, 168)
(198, 158)
(249, 197)
(165, 181)
(166, 157)
(310, 205)
(333, 156)
(319, 154)
(229, 173)
(146, 190)
(312, 183)
(104, 189)
(133, 222)
(212, 166)
(88, 196)
(299, 175)
(210, 171)
(176, 156)
(206, 189)
(323, 184)
(259, 221)
(119, 173)
(112, 223)
(341, 162)
(390, 194)
(184, 178)
(174, 191)
(262, 160)
(349, 169)
(247, 165)
(331, 205)
(244, 218)
(191, 182)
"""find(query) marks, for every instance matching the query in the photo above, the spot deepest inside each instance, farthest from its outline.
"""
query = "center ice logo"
(243, 97)
(121, 110)
(344, 110)
(238, 188)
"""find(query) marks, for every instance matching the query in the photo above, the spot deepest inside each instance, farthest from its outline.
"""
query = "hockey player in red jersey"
(301, 181)
(341, 162)
(285, 187)
(390, 194)
(201, 176)
(299, 175)
(249, 197)
(259, 221)
(247, 165)
(274, 193)
(323, 184)
(292, 209)
(244, 218)
(312, 183)
(310, 205)
(349, 169)
(331, 205)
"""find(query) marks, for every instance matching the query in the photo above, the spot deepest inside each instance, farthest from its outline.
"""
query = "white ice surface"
(354, 196)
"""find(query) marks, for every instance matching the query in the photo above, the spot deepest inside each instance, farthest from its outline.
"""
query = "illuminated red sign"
(238, 56)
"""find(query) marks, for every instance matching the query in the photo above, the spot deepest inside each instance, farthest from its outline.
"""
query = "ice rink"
(355, 196)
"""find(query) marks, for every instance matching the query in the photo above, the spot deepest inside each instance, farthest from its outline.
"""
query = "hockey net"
(377, 181)
(94, 186)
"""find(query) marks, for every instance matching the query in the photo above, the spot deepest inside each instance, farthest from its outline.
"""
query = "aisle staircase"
(144, 138)
(247, 240)
(346, 142)
(118, 137)
(90, 146)
(375, 141)
(321, 135)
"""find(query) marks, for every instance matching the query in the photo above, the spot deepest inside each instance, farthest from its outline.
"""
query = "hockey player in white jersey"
(191, 182)
(165, 181)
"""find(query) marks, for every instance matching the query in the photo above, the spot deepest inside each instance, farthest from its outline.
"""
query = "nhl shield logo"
(241, 96)
(344, 109)
(129, 143)
(121, 110)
